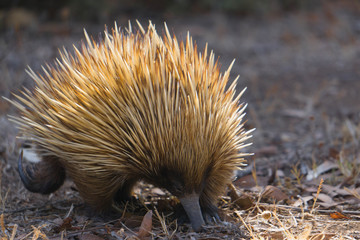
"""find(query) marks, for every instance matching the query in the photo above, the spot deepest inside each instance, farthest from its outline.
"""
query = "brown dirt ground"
(303, 77)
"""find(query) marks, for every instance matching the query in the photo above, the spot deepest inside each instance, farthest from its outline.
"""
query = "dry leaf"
(322, 168)
(65, 225)
(132, 221)
(243, 202)
(338, 215)
(248, 182)
(332, 191)
(325, 198)
(146, 226)
(303, 201)
(274, 193)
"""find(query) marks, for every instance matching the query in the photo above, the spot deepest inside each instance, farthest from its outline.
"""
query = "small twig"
(14, 232)
(37, 233)
(162, 222)
(163, 225)
(284, 229)
(2, 223)
(317, 195)
(70, 210)
(249, 228)
(128, 229)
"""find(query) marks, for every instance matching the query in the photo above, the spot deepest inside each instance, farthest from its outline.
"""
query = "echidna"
(136, 106)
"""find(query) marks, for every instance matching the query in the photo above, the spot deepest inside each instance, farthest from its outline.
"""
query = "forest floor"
(302, 72)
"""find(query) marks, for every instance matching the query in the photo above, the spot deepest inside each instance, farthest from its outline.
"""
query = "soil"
(302, 74)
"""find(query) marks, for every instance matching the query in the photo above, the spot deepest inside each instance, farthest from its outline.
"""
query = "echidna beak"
(190, 203)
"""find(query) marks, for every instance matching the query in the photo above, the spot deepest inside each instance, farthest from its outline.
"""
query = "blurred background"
(300, 60)
(103, 11)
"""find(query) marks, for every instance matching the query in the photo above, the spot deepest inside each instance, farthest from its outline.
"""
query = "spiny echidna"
(135, 106)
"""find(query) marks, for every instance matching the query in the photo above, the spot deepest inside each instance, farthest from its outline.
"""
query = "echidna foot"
(211, 215)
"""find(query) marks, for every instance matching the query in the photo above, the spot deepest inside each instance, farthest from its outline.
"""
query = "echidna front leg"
(209, 209)
(210, 213)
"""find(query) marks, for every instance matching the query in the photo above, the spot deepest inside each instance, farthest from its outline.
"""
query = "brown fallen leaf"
(338, 215)
(243, 202)
(131, 221)
(274, 193)
(146, 226)
(66, 225)
(248, 182)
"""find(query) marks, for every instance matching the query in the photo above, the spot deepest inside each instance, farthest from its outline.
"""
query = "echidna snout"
(191, 205)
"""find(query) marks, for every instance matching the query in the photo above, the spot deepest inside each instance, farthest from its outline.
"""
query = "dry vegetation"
(303, 77)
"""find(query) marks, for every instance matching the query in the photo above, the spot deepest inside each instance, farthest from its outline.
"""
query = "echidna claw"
(211, 218)
(24, 174)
